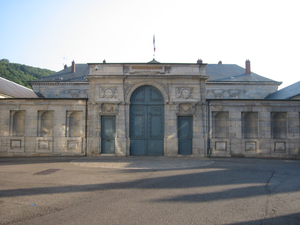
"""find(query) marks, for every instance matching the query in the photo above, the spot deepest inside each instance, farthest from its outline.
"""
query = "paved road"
(154, 190)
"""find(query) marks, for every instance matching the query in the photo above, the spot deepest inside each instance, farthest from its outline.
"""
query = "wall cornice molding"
(242, 83)
(60, 83)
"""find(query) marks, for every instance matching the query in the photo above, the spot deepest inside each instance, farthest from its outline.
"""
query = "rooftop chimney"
(248, 70)
(220, 62)
(199, 61)
(65, 66)
(73, 67)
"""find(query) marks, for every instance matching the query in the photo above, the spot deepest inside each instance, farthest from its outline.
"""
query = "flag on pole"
(154, 42)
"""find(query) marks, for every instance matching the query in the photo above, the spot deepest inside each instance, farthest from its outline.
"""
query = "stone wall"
(254, 128)
(42, 127)
(225, 128)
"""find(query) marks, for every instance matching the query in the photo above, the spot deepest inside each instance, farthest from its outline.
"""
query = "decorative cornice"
(211, 83)
(181, 101)
(59, 83)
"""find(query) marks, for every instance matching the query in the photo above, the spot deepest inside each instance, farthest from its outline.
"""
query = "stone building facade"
(42, 127)
(151, 109)
(254, 128)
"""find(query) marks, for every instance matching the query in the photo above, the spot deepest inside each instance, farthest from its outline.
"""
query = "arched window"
(18, 124)
(250, 125)
(220, 125)
(46, 124)
(75, 128)
(279, 125)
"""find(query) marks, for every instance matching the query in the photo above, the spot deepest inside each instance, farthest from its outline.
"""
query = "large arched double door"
(147, 122)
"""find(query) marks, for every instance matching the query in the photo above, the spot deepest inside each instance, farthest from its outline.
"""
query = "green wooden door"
(147, 122)
(108, 134)
(185, 135)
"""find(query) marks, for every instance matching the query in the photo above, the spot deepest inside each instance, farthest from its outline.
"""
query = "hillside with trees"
(20, 73)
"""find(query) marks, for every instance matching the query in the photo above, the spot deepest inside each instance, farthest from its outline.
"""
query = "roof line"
(148, 63)
(43, 99)
(223, 99)
(17, 84)
(250, 82)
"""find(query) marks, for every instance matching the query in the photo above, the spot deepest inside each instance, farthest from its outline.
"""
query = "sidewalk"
(143, 162)
(136, 162)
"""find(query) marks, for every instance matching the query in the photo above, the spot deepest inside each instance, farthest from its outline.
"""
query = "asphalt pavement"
(149, 190)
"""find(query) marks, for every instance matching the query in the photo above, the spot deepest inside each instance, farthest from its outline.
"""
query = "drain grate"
(46, 172)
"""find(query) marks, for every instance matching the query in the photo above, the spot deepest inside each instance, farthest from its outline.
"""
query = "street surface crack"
(268, 189)
(267, 184)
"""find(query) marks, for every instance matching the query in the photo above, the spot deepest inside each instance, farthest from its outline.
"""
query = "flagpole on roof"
(154, 46)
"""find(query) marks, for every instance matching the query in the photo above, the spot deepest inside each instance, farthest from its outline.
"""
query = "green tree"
(20, 73)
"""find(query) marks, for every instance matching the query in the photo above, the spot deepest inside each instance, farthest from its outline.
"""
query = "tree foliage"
(20, 73)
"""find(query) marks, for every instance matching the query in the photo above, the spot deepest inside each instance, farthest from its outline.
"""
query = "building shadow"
(289, 219)
(254, 182)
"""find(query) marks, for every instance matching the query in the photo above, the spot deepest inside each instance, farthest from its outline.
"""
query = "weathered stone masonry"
(254, 128)
(42, 127)
(88, 111)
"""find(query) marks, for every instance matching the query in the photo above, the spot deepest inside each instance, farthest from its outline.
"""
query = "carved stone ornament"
(108, 92)
(186, 108)
(126, 69)
(218, 93)
(184, 92)
(165, 86)
(128, 87)
(167, 69)
(108, 108)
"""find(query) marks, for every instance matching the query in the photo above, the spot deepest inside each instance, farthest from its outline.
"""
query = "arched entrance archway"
(147, 122)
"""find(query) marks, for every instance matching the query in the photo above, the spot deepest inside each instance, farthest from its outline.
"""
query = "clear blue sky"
(43, 33)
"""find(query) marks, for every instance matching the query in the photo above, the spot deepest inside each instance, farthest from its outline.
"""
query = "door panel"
(146, 122)
(137, 147)
(155, 119)
(154, 125)
(185, 147)
(108, 146)
(109, 128)
(108, 134)
(155, 147)
(185, 135)
(138, 128)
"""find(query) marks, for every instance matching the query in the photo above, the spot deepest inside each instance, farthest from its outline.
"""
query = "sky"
(51, 33)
